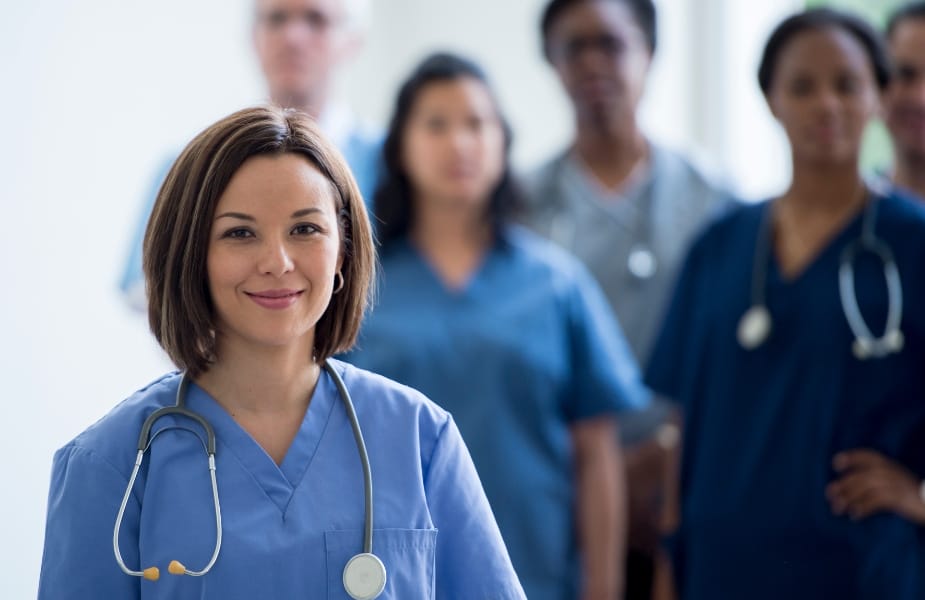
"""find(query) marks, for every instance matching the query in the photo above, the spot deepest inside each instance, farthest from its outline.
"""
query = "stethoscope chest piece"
(641, 262)
(754, 327)
(364, 577)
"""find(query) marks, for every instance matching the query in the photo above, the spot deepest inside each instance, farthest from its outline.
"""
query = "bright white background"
(97, 93)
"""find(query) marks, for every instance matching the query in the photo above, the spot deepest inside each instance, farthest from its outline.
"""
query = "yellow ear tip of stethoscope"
(176, 568)
(152, 573)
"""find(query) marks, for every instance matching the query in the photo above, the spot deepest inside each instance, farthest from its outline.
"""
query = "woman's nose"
(275, 259)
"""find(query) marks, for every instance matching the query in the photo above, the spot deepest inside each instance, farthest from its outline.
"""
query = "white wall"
(98, 93)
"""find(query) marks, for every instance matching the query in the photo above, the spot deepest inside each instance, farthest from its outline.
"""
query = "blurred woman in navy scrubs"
(791, 438)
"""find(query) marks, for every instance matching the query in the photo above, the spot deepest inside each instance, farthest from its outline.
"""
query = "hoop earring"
(339, 285)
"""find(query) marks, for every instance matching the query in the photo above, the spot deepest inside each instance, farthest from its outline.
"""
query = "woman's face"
(273, 251)
(824, 93)
(453, 143)
(600, 54)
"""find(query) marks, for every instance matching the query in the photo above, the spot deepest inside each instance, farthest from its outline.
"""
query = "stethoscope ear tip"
(861, 349)
(895, 340)
(151, 573)
(892, 342)
(176, 568)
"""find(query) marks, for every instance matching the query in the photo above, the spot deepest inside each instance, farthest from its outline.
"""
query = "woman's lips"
(275, 299)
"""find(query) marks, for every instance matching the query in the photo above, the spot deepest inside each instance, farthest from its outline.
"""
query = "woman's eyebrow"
(235, 215)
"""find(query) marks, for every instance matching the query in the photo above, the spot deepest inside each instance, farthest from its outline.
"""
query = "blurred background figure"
(626, 206)
(797, 369)
(904, 101)
(504, 330)
(300, 45)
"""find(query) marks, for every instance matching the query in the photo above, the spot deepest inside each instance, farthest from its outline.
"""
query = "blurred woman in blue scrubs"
(258, 260)
(803, 454)
(505, 331)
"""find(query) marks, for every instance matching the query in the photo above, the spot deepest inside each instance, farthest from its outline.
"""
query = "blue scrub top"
(528, 347)
(289, 530)
(762, 426)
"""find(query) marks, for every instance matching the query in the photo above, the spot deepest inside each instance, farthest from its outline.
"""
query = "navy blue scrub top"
(762, 426)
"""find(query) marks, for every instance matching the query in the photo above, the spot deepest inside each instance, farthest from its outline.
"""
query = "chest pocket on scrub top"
(408, 556)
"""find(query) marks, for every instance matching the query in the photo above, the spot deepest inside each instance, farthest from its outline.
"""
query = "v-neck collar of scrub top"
(279, 482)
(629, 206)
(828, 253)
(478, 279)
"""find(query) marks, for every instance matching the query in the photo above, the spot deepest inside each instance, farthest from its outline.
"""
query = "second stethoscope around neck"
(755, 326)
(641, 261)
(364, 575)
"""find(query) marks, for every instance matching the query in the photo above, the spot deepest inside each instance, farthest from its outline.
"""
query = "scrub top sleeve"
(665, 367)
(78, 560)
(605, 377)
(472, 561)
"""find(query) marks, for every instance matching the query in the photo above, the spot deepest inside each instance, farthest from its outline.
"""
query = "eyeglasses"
(315, 21)
(572, 49)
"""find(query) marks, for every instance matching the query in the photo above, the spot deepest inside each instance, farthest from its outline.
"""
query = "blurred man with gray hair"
(301, 47)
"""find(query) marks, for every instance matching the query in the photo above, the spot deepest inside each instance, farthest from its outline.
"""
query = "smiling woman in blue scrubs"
(258, 260)
(505, 331)
(790, 430)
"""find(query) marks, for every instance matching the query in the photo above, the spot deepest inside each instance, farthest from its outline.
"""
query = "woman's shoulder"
(388, 402)
(114, 437)
(899, 208)
(538, 255)
(734, 225)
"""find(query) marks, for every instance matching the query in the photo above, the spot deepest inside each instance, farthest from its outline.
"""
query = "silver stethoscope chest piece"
(364, 577)
(754, 327)
(641, 262)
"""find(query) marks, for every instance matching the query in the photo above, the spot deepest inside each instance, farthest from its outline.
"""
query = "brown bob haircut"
(180, 309)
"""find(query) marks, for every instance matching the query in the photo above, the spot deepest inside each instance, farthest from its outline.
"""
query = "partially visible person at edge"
(904, 99)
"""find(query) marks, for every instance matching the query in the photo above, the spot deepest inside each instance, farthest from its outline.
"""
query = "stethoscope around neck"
(364, 575)
(756, 324)
(641, 261)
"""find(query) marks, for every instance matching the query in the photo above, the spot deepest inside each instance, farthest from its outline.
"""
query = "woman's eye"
(847, 85)
(238, 233)
(304, 229)
(801, 87)
(435, 125)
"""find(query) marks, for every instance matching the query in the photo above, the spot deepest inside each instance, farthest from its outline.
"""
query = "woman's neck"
(817, 206)
(257, 379)
(454, 239)
(824, 191)
(612, 154)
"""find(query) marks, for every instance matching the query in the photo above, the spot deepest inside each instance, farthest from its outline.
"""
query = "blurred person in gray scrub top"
(624, 206)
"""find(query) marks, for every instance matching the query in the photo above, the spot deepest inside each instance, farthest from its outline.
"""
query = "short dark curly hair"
(643, 11)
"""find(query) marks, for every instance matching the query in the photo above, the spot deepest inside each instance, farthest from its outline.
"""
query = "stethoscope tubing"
(144, 442)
